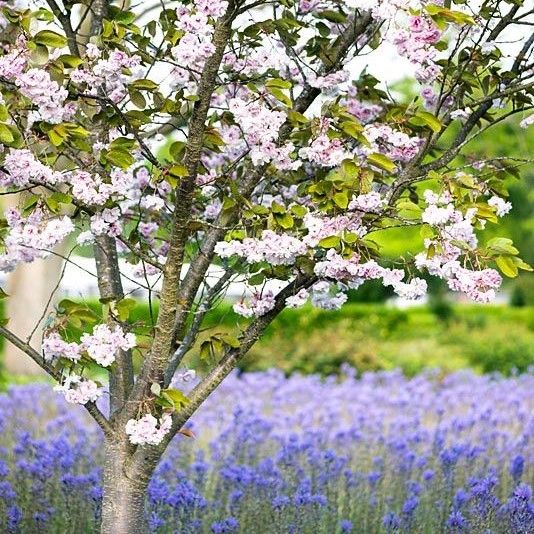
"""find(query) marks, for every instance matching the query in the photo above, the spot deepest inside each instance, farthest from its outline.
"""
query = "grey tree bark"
(124, 492)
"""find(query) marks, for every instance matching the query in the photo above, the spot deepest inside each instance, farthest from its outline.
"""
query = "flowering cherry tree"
(243, 134)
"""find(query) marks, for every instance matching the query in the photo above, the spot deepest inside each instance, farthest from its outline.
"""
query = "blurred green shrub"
(504, 350)
(523, 291)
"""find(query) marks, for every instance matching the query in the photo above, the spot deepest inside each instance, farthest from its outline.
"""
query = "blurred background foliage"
(377, 336)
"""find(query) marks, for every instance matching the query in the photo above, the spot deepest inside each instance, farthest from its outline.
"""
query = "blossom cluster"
(111, 74)
(319, 227)
(367, 202)
(327, 296)
(260, 303)
(32, 237)
(148, 430)
(384, 9)
(329, 81)
(259, 60)
(260, 126)
(23, 168)
(92, 190)
(325, 152)
(365, 112)
(455, 227)
(78, 390)
(46, 94)
(396, 145)
(54, 346)
(527, 121)
(48, 97)
(417, 44)
(502, 207)
(195, 46)
(102, 345)
(354, 273)
(277, 249)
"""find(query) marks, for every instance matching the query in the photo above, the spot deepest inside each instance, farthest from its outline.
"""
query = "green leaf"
(52, 204)
(285, 221)
(502, 245)
(155, 388)
(144, 84)
(350, 237)
(124, 143)
(365, 177)
(296, 117)
(449, 15)
(57, 136)
(179, 171)
(119, 158)
(280, 96)
(332, 16)
(507, 266)
(486, 212)
(381, 161)
(63, 198)
(278, 208)
(85, 315)
(176, 150)
(67, 305)
(137, 98)
(341, 199)
(256, 279)
(231, 341)
(410, 209)
(430, 120)
(278, 82)
(332, 241)
(70, 61)
(352, 128)
(124, 307)
(39, 55)
(43, 14)
(206, 350)
(426, 232)
(298, 210)
(175, 396)
(3, 294)
(349, 170)
(523, 265)
(50, 38)
(6, 136)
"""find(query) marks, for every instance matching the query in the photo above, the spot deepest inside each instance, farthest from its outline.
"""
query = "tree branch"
(193, 330)
(156, 360)
(91, 407)
(202, 261)
(121, 375)
(64, 19)
(228, 362)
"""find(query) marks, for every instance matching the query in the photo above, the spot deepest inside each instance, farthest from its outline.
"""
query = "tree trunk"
(123, 507)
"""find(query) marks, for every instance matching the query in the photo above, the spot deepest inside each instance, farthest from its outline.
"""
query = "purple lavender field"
(379, 453)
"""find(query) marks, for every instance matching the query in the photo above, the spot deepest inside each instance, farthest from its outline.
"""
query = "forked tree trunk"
(124, 493)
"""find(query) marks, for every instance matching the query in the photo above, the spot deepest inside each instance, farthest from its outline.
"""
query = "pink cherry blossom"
(148, 430)
(78, 390)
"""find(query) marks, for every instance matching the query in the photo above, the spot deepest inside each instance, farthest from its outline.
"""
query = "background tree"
(284, 166)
